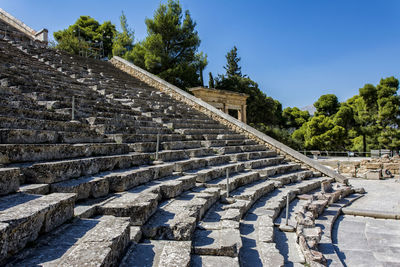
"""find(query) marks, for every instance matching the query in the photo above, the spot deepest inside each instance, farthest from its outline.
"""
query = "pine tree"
(232, 66)
(169, 50)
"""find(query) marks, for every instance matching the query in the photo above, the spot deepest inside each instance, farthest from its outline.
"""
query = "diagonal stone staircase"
(83, 179)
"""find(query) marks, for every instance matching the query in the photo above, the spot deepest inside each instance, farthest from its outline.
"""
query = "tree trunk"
(201, 78)
(364, 143)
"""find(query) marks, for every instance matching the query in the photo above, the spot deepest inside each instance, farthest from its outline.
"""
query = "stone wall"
(223, 118)
(359, 168)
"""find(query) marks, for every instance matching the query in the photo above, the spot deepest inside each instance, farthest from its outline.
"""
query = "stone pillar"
(226, 108)
(240, 115)
(244, 114)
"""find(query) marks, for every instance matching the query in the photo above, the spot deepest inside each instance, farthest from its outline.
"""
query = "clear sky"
(296, 50)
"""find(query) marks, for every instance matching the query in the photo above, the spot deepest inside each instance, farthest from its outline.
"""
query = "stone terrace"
(93, 190)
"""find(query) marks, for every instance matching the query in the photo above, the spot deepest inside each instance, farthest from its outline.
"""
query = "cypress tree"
(210, 80)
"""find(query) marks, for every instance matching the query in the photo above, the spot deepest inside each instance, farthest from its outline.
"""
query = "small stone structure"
(223, 100)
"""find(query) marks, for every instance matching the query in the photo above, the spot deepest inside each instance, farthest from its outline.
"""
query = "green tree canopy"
(86, 33)
(320, 132)
(169, 50)
(294, 117)
(369, 120)
(327, 105)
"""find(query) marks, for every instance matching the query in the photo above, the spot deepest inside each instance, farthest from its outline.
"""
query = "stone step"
(260, 164)
(208, 237)
(9, 180)
(57, 171)
(176, 155)
(41, 124)
(133, 138)
(138, 204)
(236, 180)
(224, 142)
(277, 169)
(243, 148)
(213, 137)
(191, 131)
(158, 253)
(137, 122)
(33, 114)
(109, 123)
(116, 181)
(223, 242)
(257, 227)
(286, 242)
(23, 217)
(119, 116)
(196, 163)
(13, 153)
(210, 261)
(116, 129)
(191, 125)
(253, 191)
(95, 242)
(27, 136)
(152, 130)
(184, 120)
(290, 177)
(180, 145)
(173, 114)
(176, 219)
(157, 188)
(247, 193)
(326, 222)
(174, 145)
(212, 172)
(108, 109)
(36, 189)
(245, 156)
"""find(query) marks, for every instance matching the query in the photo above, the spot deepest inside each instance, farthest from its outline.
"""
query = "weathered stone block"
(373, 175)
(29, 215)
(9, 180)
(225, 242)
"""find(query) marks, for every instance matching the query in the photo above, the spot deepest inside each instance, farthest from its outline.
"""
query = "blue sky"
(295, 50)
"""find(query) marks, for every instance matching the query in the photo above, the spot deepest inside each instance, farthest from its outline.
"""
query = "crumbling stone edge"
(223, 118)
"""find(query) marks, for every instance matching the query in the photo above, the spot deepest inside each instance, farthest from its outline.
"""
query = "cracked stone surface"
(363, 241)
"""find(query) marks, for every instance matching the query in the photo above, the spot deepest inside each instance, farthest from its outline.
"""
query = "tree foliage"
(369, 120)
(86, 33)
(123, 42)
(327, 105)
(294, 117)
(232, 63)
(169, 50)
